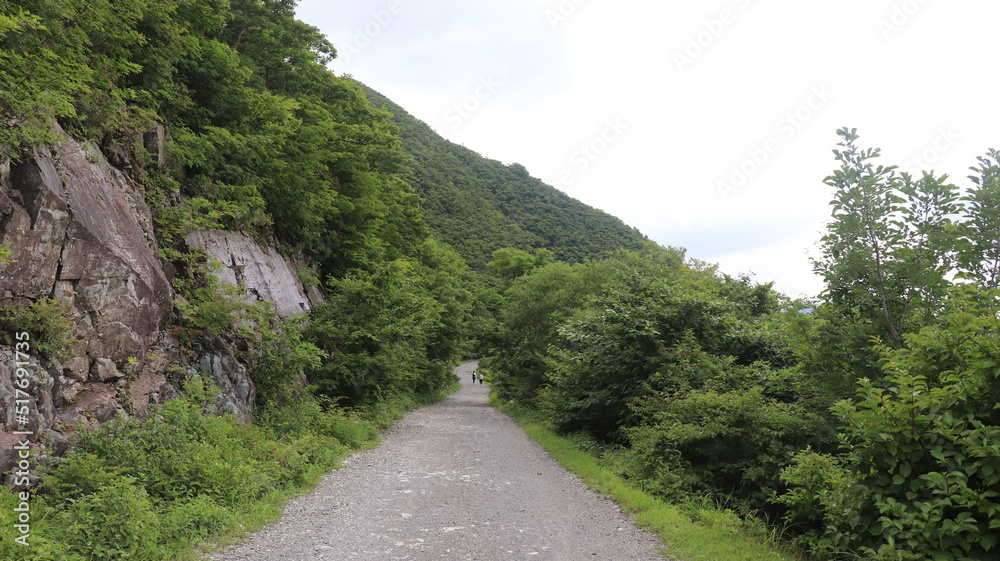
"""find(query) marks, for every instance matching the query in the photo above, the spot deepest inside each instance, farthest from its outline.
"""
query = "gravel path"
(455, 480)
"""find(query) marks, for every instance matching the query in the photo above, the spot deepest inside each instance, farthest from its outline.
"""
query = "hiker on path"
(473, 376)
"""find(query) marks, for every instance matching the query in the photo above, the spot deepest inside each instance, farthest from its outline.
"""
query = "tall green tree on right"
(886, 260)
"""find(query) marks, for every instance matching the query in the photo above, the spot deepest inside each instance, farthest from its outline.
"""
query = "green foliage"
(394, 329)
(117, 522)
(888, 256)
(536, 305)
(49, 324)
(150, 490)
(920, 452)
(891, 242)
(610, 351)
(477, 205)
(979, 255)
(278, 355)
(51, 68)
(317, 417)
(509, 263)
(724, 442)
(207, 306)
(539, 303)
(262, 136)
(819, 497)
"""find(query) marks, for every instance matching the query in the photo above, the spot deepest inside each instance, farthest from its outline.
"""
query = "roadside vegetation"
(862, 425)
(689, 531)
(187, 477)
(261, 139)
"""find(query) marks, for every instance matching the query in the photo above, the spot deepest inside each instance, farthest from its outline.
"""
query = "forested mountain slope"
(138, 139)
(478, 205)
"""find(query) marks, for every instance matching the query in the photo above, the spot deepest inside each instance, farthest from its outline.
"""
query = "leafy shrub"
(116, 523)
(278, 358)
(610, 352)
(389, 331)
(48, 322)
(180, 453)
(182, 476)
(208, 306)
(729, 443)
(919, 476)
(78, 474)
(819, 496)
(195, 519)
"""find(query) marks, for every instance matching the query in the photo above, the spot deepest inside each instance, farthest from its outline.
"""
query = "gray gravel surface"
(454, 480)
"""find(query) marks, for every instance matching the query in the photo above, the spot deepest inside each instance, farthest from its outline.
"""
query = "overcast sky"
(707, 125)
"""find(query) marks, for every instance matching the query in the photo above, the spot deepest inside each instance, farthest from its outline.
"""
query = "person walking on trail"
(480, 379)
(473, 376)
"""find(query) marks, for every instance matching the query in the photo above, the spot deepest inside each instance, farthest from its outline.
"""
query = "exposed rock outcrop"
(80, 232)
(260, 270)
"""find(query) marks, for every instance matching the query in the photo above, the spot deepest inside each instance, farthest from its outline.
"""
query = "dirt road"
(456, 480)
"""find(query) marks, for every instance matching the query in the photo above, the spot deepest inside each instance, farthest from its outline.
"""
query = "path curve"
(456, 480)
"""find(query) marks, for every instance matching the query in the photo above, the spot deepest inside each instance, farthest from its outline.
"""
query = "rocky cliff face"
(80, 232)
(263, 272)
(264, 275)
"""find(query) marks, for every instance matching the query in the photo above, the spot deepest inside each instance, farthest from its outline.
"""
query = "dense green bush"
(918, 475)
(610, 351)
(731, 443)
(394, 329)
(49, 325)
(118, 521)
(132, 490)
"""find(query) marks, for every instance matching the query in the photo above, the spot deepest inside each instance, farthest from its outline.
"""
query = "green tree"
(979, 258)
(510, 263)
(916, 478)
(890, 244)
(396, 329)
(613, 349)
(885, 260)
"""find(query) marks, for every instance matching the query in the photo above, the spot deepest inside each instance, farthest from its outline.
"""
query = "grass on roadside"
(715, 535)
(185, 481)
